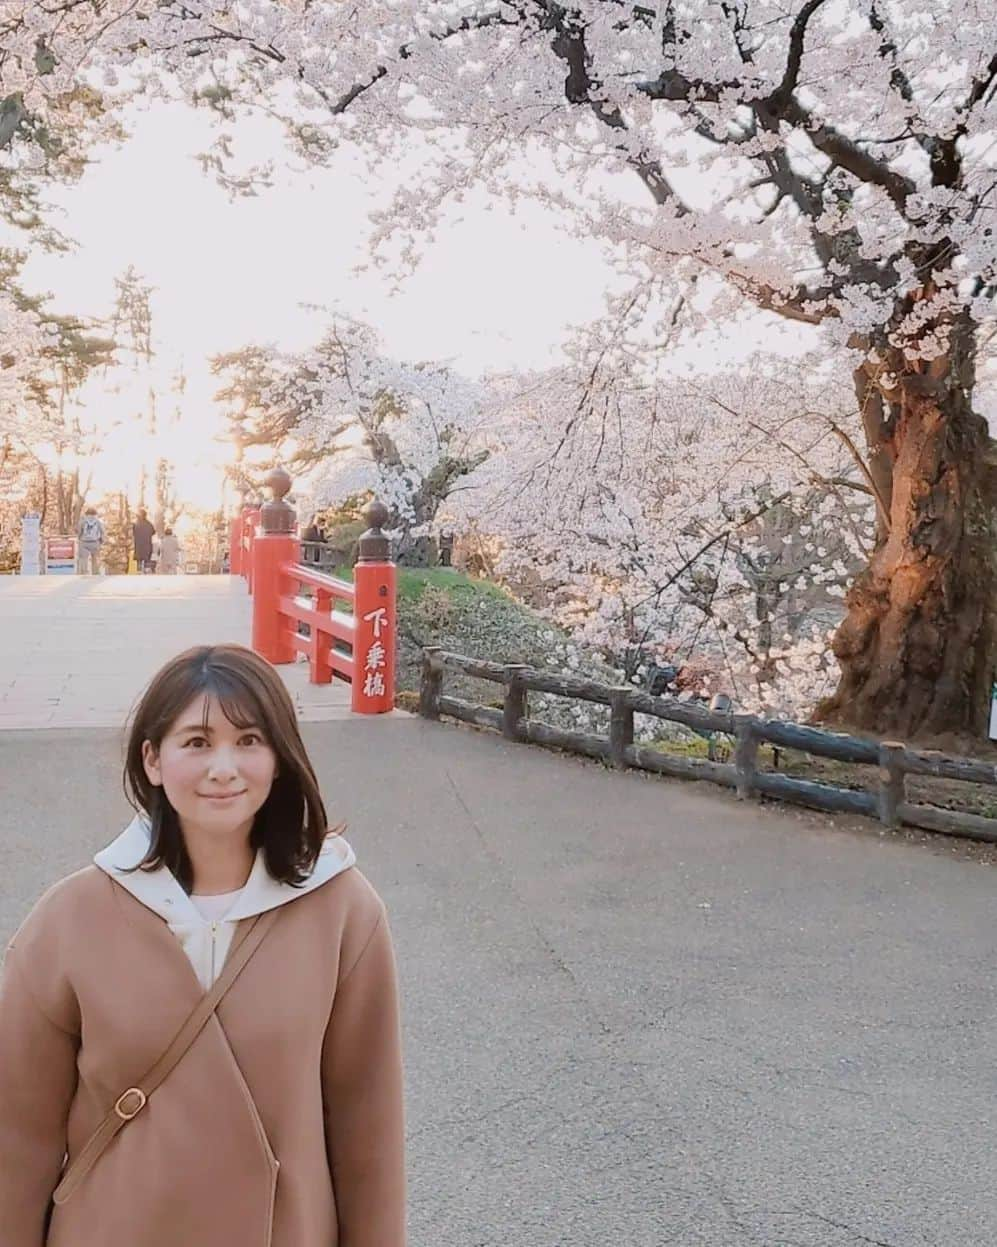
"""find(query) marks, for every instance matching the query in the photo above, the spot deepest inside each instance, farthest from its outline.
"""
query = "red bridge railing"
(351, 627)
(240, 546)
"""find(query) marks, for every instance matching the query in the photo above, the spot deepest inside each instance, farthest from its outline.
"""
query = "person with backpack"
(91, 540)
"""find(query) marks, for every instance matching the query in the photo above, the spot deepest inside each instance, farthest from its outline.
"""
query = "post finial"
(375, 545)
(277, 516)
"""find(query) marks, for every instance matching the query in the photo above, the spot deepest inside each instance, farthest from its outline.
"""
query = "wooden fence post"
(432, 682)
(745, 754)
(514, 707)
(621, 726)
(892, 782)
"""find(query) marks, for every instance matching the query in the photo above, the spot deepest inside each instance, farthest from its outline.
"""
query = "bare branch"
(981, 85)
(844, 483)
(797, 37)
(888, 52)
(881, 505)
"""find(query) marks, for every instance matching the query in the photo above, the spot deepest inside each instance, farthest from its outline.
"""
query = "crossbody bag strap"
(132, 1101)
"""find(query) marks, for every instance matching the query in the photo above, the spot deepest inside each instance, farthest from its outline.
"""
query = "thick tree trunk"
(917, 648)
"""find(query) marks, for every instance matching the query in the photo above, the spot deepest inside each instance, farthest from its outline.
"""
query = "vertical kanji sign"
(374, 644)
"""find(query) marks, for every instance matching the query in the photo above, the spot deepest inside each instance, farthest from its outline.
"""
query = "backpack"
(93, 529)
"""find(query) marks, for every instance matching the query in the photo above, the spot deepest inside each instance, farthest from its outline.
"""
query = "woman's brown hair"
(291, 825)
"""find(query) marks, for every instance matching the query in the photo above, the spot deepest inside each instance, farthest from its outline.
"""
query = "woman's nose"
(222, 764)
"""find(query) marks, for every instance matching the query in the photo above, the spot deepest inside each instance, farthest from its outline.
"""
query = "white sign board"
(31, 544)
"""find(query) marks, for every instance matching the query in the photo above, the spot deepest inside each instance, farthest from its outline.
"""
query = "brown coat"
(282, 1126)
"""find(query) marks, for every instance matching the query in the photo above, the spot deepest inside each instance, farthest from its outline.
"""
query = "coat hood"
(206, 943)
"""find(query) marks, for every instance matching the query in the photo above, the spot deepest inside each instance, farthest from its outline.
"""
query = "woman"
(273, 1118)
(169, 553)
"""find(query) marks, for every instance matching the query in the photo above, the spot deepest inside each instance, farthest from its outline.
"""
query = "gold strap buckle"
(126, 1114)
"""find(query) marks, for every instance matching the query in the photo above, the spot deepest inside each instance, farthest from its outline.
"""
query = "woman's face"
(215, 775)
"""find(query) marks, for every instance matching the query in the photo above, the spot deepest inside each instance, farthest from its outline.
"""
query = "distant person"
(91, 539)
(313, 533)
(142, 535)
(169, 554)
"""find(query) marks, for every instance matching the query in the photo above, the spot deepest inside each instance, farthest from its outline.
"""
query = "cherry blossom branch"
(581, 88)
(832, 482)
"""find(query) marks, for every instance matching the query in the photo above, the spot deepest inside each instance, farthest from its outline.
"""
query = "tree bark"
(917, 647)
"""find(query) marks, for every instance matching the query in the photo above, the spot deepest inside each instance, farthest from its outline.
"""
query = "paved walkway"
(76, 651)
(637, 1013)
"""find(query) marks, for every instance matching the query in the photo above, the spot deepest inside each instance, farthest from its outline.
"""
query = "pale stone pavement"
(76, 651)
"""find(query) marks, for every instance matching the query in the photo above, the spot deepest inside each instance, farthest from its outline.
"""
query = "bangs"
(239, 698)
(239, 703)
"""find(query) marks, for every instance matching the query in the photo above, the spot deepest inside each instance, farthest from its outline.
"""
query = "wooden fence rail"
(895, 761)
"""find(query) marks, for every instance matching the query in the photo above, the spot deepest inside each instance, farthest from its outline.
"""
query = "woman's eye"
(251, 739)
(195, 740)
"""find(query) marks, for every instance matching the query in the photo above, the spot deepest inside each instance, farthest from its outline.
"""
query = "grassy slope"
(443, 606)
(412, 582)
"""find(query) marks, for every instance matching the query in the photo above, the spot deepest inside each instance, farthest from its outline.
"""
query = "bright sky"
(497, 291)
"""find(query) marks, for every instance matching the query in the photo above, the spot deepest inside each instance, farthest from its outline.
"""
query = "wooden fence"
(895, 761)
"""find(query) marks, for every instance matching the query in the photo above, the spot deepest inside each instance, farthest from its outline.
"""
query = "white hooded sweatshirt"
(206, 943)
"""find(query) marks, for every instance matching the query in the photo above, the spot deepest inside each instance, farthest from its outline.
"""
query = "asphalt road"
(636, 1012)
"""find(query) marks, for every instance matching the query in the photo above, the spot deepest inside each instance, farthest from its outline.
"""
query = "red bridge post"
(275, 544)
(374, 614)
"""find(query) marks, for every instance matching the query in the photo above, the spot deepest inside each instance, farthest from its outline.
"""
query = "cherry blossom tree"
(44, 360)
(829, 161)
(263, 407)
(699, 522)
(359, 421)
(26, 419)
